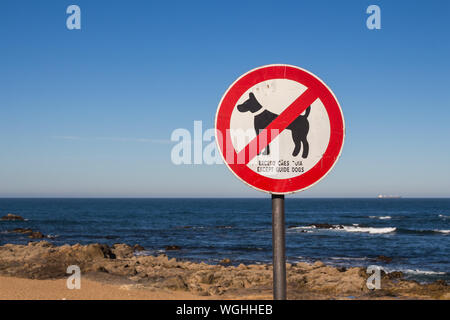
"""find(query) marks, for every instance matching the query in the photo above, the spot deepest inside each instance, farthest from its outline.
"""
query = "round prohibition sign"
(315, 90)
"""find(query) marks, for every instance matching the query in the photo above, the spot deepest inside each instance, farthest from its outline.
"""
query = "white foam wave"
(354, 228)
(443, 216)
(381, 218)
(424, 272)
(144, 253)
(369, 230)
(348, 258)
(442, 231)
(303, 228)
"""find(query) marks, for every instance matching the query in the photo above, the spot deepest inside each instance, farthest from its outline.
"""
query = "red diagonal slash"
(263, 139)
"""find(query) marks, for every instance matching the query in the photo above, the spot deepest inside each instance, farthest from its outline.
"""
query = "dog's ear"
(251, 95)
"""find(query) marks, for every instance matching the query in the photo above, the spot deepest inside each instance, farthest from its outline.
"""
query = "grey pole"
(278, 245)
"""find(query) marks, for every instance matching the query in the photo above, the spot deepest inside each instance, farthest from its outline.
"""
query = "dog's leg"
(305, 148)
(297, 148)
(297, 141)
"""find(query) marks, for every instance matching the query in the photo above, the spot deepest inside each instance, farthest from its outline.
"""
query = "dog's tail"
(308, 110)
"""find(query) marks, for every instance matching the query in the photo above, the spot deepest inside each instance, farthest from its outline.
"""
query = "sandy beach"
(38, 271)
(12, 288)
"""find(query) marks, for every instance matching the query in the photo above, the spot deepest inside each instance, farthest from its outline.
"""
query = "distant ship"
(384, 196)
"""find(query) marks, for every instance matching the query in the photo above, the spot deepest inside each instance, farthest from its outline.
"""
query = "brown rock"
(318, 264)
(44, 244)
(439, 283)
(172, 247)
(138, 247)
(122, 251)
(97, 251)
(298, 282)
(22, 230)
(36, 235)
(241, 267)
(225, 261)
(445, 296)
(303, 266)
(175, 283)
(31, 234)
(215, 291)
(384, 259)
(207, 278)
(161, 259)
(12, 217)
(99, 268)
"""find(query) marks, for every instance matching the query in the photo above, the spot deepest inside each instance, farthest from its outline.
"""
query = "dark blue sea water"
(414, 232)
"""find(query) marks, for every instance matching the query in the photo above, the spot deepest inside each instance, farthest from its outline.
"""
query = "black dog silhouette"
(299, 127)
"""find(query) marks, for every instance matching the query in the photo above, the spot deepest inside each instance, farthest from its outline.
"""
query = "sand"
(12, 288)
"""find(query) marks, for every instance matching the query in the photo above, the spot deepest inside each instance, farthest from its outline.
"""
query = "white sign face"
(296, 149)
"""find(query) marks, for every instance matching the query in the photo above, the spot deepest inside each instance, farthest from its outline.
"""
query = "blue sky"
(90, 112)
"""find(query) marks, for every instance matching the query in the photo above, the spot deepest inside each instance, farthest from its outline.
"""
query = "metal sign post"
(278, 246)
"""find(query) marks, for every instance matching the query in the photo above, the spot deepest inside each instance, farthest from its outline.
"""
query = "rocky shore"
(119, 264)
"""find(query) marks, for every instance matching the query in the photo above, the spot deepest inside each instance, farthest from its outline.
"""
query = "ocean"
(415, 233)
